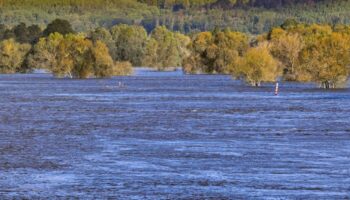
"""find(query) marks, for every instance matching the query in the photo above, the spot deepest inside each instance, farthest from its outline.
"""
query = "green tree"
(215, 52)
(2, 31)
(59, 26)
(129, 43)
(104, 35)
(24, 34)
(164, 49)
(151, 54)
(21, 33)
(34, 33)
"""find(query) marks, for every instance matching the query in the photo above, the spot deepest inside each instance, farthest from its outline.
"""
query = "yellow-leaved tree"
(257, 65)
(327, 60)
(286, 47)
(74, 56)
(12, 55)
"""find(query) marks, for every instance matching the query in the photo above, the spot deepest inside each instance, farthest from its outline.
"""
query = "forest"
(293, 51)
(186, 16)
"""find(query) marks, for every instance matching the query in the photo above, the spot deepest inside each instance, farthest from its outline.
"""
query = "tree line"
(98, 53)
(185, 16)
(293, 51)
(176, 4)
(59, 50)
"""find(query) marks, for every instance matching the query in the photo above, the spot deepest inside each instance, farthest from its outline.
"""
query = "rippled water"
(170, 136)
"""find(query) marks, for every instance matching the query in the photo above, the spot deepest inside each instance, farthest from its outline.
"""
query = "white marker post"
(276, 89)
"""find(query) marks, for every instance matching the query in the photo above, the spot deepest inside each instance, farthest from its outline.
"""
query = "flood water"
(171, 136)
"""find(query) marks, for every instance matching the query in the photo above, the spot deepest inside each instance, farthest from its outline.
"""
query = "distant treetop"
(59, 26)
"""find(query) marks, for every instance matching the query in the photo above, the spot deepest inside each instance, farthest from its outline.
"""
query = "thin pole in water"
(276, 89)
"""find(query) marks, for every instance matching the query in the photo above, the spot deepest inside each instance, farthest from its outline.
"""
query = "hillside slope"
(181, 15)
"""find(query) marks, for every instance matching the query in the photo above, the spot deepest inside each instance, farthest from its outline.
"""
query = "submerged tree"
(72, 56)
(104, 35)
(327, 60)
(286, 47)
(165, 49)
(102, 62)
(196, 62)
(12, 56)
(257, 65)
(313, 53)
(45, 53)
(130, 43)
(126, 43)
(215, 52)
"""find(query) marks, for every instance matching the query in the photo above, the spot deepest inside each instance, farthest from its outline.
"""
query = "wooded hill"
(187, 16)
(229, 3)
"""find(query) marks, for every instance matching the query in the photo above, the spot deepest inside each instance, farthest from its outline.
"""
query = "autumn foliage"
(294, 52)
(291, 52)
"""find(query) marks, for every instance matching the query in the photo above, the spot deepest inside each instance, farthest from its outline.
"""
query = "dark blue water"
(170, 136)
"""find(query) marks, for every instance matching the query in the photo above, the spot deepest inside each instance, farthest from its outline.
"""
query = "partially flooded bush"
(122, 69)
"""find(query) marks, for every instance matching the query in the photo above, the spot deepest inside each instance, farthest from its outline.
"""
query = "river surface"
(164, 135)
